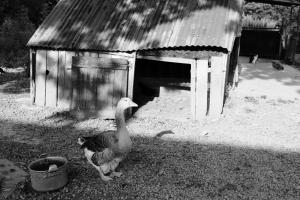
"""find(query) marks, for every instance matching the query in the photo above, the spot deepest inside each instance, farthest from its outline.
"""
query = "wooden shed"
(87, 54)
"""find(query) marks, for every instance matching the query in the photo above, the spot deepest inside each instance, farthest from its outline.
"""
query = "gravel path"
(251, 152)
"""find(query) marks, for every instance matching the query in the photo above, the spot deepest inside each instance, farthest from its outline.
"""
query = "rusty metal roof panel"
(129, 25)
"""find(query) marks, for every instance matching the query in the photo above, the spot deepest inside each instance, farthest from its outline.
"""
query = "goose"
(106, 150)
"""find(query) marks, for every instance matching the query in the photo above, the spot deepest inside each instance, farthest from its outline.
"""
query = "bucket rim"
(60, 158)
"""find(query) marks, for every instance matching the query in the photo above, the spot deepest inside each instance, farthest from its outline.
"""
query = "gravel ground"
(252, 152)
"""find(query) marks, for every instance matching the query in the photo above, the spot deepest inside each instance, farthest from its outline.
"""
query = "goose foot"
(116, 174)
(105, 178)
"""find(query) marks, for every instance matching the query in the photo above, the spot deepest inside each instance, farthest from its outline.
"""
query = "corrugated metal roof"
(128, 25)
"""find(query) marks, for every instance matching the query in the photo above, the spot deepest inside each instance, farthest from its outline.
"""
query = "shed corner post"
(217, 88)
(131, 73)
(193, 89)
(32, 66)
(201, 89)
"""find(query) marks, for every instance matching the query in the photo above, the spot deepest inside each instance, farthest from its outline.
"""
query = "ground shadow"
(159, 168)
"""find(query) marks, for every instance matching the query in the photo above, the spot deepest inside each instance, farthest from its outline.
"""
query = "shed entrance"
(98, 84)
(163, 89)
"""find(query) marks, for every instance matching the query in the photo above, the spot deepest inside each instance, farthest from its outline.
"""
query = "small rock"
(161, 172)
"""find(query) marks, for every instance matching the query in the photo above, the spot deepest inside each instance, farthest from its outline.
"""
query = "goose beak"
(132, 104)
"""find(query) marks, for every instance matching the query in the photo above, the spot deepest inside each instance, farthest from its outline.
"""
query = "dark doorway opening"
(163, 87)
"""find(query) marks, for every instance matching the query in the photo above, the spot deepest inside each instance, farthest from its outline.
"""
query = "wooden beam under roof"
(278, 2)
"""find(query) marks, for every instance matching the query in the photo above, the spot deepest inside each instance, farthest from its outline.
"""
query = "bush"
(14, 35)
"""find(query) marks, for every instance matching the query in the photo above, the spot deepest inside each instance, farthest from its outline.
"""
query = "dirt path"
(262, 79)
(223, 159)
(263, 112)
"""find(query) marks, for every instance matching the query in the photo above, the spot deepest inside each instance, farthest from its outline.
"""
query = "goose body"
(106, 150)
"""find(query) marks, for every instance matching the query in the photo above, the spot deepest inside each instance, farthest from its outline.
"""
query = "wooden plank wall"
(51, 82)
(209, 93)
(40, 79)
(98, 84)
(55, 89)
(51, 78)
(64, 82)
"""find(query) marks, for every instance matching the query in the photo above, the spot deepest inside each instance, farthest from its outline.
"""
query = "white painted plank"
(68, 79)
(131, 76)
(51, 78)
(41, 56)
(193, 90)
(32, 75)
(61, 79)
(218, 69)
(201, 89)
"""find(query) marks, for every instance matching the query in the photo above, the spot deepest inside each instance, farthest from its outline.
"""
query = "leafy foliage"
(262, 14)
(18, 20)
(249, 21)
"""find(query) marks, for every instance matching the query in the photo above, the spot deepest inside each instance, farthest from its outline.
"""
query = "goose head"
(125, 103)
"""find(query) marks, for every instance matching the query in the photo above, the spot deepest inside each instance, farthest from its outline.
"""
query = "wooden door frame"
(192, 63)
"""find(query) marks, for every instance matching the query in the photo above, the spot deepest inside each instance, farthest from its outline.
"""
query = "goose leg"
(113, 165)
(116, 174)
(103, 177)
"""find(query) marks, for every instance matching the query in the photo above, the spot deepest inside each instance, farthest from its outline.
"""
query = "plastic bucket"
(43, 179)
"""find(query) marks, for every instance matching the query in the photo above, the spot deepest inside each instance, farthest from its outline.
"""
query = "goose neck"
(120, 119)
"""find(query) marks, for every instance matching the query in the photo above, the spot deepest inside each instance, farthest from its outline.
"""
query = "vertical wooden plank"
(93, 83)
(75, 77)
(218, 70)
(80, 88)
(32, 75)
(201, 89)
(41, 57)
(103, 92)
(124, 81)
(68, 79)
(90, 76)
(51, 78)
(110, 95)
(224, 76)
(130, 81)
(61, 79)
(193, 90)
(120, 86)
(131, 76)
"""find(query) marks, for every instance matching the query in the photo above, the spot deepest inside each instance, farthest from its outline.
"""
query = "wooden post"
(40, 80)
(131, 76)
(201, 89)
(193, 89)
(32, 75)
(130, 80)
(218, 74)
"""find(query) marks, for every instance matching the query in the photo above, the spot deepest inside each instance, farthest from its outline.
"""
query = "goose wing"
(103, 145)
